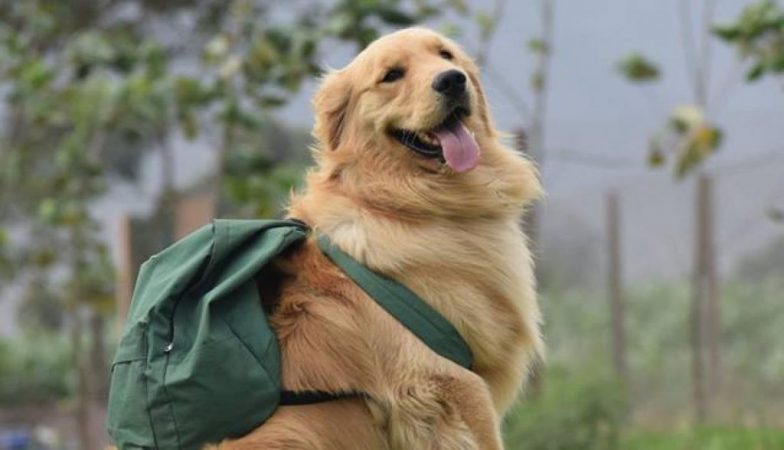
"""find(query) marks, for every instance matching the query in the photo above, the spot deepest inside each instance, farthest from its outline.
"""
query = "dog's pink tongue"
(461, 151)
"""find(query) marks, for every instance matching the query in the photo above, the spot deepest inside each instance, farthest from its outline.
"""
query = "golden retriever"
(413, 181)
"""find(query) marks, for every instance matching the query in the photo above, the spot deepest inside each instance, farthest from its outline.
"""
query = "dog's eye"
(393, 75)
(446, 54)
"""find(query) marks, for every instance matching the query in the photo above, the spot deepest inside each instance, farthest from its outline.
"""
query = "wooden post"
(710, 285)
(704, 312)
(615, 288)
(192, 212)
(125, 273)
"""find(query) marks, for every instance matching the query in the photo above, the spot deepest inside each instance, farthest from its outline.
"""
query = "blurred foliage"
(93, 86)
(687, 138)
(706, 438)
(758, 35)
(636, 68)
(583, 412)
(697, 138)
(486, 23)
(261, 173)
(34, 369)
(578, 342)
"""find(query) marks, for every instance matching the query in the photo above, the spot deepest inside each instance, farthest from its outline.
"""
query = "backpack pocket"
(128, 421)
(229, 380)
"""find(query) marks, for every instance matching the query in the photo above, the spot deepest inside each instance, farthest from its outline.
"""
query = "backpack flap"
(212, 367)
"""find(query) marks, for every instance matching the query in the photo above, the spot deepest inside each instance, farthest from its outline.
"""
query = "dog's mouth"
(450, 141)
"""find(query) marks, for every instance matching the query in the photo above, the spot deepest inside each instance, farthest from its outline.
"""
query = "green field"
(705, 439)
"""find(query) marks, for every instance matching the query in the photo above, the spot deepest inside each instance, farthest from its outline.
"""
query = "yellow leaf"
(697, 145)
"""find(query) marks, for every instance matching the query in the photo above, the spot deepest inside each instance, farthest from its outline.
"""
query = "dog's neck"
(395, 225)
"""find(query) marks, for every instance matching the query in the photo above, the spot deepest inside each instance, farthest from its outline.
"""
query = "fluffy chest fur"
(477, 273)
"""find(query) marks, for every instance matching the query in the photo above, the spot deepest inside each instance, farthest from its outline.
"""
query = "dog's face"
(414, 90)
(405, 126)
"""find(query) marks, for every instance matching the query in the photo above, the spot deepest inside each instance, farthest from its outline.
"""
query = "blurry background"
(658, 128)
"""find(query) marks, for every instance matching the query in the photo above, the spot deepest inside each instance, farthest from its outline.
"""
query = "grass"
(705, 439)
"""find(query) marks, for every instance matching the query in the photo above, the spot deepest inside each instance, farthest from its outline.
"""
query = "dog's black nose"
(450, 83)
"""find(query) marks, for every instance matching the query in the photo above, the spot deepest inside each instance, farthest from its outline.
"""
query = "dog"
(412, 180)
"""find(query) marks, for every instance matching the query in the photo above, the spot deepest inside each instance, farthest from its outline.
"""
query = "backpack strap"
(294, 398)
(409, 309)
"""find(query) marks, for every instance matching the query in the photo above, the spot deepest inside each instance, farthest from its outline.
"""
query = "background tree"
(688, 138)
(758, 36)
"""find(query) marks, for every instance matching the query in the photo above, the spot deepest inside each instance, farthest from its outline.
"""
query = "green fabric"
(198, 361)
(420, 318)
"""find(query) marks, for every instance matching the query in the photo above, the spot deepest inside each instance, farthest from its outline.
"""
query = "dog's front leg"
(444, 412)
(471, 398)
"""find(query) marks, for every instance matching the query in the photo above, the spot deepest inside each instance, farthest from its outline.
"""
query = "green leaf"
(154, 58)
(726, 32)
(190, 93)
(636, 68)
(272, 101)
(696, 147)
(537, 46)
(48, 210)
(395, 16)
(755, 72)
(758, 36)
(37, 74)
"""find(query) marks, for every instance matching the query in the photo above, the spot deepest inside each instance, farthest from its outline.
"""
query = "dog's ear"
(331, 106)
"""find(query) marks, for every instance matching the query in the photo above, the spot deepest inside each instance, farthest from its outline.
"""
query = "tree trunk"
(84, 436)
(99, 371)
(711, 289)
(615, 288)
(705, 313)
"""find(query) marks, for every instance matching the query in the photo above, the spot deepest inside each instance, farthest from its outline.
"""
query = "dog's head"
(408, 111)
(414, 89)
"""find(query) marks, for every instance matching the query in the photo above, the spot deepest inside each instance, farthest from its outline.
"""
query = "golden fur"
(453, 238)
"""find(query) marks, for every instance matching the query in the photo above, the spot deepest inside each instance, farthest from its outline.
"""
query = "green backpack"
(198, 361)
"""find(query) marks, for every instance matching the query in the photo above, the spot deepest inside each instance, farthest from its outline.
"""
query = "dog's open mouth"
(450, 141)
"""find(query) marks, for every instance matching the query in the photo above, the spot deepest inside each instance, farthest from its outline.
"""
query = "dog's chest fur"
(478, 274)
